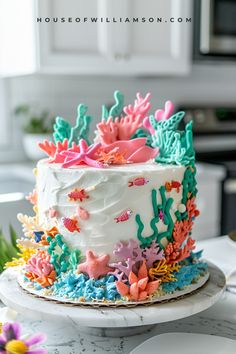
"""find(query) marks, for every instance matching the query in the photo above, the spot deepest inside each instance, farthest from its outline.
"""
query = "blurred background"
(53, 56)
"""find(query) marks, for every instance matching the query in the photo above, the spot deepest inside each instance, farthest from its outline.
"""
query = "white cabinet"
(115, 43)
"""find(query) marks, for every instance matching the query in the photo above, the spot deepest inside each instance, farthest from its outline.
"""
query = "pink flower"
(11, 341)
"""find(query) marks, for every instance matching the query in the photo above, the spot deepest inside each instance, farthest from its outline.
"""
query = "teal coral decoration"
(185, 276)
(175, 146)
(163, 207)
(142, 133)
(61, 257)
(116, 109)
(64, 130)
(75, 286)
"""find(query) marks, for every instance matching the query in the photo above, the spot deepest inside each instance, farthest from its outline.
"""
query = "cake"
(114, 217)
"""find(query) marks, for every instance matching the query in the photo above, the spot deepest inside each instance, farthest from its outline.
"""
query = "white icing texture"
(110, 197)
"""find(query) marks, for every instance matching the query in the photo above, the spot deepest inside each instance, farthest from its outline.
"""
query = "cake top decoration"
(125, 134)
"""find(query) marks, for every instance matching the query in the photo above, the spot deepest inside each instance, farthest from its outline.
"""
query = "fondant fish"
(82, 213)
(70, 224)
(138, 181)
(161, 215)
(38, 235)
(124, 216)
(52, 213)
(78, 194)
(172, 185)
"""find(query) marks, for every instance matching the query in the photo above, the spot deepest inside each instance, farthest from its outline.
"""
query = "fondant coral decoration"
(192, 208)
(95, 266)
(40, 270)
(54, 151)
(125, 127)
(64, 130)
(174, 253)
(116, 109)
(159, 115)
(163, 271)
(140, 286)
(182, 230)
(153, 253)
(32, 197)
(126, 266)
(29, 224)
(85, 155)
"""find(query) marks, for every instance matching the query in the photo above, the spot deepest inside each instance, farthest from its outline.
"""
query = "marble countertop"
(63, 339)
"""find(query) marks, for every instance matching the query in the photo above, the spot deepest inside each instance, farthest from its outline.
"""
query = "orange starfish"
(95, 266)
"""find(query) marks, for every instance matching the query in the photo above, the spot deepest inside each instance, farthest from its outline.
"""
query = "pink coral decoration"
(40, 270)
(95, 266)
(134, 150)
(32, 197)
(123, 128)
(153, 253)
(140, 286)
(159, 115)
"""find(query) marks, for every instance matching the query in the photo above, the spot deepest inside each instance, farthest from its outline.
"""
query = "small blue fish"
(38, 235)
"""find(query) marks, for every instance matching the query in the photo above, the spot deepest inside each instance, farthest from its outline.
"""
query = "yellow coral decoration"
(163, 271)
(29, 224)
(24, 255)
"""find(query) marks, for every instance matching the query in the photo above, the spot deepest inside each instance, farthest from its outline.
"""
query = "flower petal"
(132, 278)
(11, 331)
(152, 287)
(142, 283)
(142, 272)
(38, 338)
(37, 351)
(134, 291)
(143, 295)
(122, 288)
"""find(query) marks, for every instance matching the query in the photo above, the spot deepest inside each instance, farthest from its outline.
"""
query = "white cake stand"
(111, 321)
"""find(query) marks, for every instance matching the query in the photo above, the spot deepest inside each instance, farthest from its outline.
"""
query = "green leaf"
(13, 237)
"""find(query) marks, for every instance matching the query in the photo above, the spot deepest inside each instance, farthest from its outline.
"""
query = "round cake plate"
(114, 322)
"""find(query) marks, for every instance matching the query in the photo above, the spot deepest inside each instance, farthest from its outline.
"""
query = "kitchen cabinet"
(70, 43)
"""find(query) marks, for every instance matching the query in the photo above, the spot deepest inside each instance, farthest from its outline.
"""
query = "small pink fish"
(161, 215)
(52, 213)
(138, 181)
(70, 224)
(78, 195)
(124, 216)
(82, 213)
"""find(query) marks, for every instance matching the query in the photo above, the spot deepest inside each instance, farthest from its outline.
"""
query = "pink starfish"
(95, 266)
(85, 155)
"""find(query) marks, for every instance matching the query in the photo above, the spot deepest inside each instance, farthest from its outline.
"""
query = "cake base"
(107, 321)
(28, 286)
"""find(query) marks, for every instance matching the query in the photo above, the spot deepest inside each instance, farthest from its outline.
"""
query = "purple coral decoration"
(131, 250)
(120, 276)
(153, 253)
(126, 266)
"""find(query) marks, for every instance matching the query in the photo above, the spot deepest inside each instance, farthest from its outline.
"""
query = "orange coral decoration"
(174, 253)
(140, 286)
(182, 230)
(192, 208)
(113, 157)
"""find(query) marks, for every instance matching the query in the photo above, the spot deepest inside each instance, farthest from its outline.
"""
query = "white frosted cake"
(113, 218)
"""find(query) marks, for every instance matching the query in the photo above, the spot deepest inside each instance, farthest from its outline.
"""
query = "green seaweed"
(175, 147)
(81, 129)
(64, 130)
(164, 206)
(61, 257)
(116, 109)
